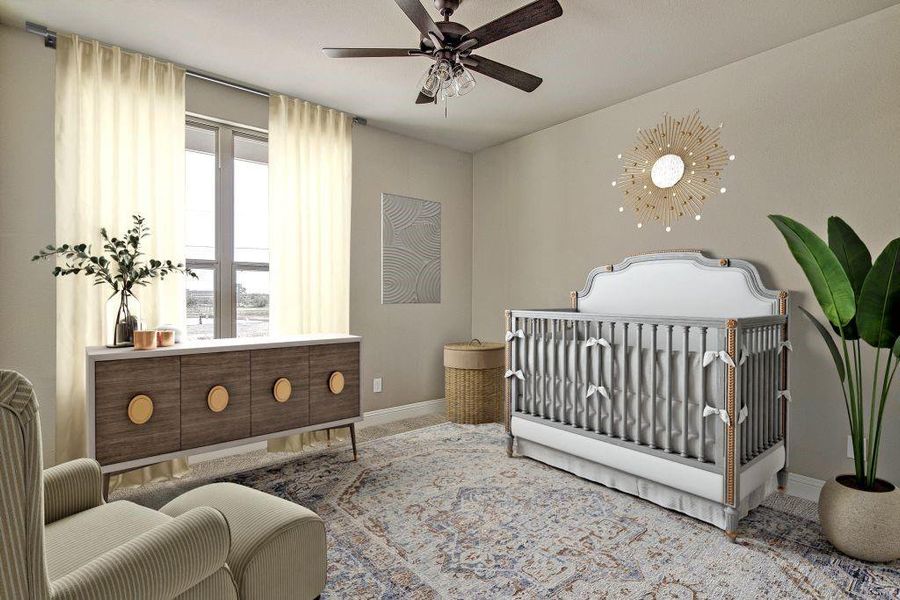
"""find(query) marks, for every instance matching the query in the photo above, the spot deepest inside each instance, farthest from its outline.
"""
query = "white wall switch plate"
(376, 385)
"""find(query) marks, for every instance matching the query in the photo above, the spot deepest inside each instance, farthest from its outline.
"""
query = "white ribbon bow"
(786, 394)
(597, 389)
(712, 410)
(712, 355)
(744, 356)
(518, 333)
(785, 344)
(518, 374)
(592, 341)
(723, 414)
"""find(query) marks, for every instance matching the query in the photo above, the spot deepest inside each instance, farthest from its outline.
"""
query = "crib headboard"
(677, 284)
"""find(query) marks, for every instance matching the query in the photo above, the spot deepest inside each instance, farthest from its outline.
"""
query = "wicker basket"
(473, 381)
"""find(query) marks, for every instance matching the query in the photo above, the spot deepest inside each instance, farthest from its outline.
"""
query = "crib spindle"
(653, 384)
(535, 371)
(613, 379)
(701, 426)
(595, 376)
(623, 433)
(552, 358)
(745, 398)
(668, 446)
(773, 414)
(685, 362)
(638, 397)
(757, 387)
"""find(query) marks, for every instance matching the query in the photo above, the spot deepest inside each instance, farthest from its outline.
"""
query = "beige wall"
(401, 343)
(27, 291)
(815, 125)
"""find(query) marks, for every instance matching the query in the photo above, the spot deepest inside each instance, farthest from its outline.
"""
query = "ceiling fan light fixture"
(430, 82)
(463, 80)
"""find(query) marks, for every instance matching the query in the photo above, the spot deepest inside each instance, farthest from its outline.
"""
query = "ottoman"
(277, 547)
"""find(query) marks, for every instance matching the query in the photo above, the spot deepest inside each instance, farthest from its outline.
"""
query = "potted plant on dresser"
(123, 267)
(859, 513)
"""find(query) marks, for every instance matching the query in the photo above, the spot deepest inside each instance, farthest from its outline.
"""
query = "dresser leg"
(105, 490)
(353, 439)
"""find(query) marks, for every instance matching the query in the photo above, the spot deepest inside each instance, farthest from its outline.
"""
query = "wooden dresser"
(147, 406)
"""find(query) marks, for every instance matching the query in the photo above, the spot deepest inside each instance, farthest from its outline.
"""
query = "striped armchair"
(60, 541)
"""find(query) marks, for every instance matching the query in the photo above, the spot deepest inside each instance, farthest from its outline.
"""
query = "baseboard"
(372, 417)
(406, 411)
(802, 486)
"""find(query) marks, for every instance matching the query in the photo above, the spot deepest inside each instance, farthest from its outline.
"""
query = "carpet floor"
(442, 512)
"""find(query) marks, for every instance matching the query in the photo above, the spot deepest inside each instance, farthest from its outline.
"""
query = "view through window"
(226, 231)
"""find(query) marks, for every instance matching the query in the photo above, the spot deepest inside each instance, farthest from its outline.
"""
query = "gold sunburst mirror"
(672, 170)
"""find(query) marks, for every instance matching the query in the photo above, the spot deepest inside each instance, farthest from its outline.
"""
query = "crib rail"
(658, 384)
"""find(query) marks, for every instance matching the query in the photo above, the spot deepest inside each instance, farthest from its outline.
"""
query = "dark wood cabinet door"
(268, 415)
(324, 405)
(116, 383)
(200, 373)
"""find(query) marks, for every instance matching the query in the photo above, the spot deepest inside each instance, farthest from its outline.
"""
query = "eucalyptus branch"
(121, 265)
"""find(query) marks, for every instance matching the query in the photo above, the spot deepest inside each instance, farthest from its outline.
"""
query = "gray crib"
(667, 379)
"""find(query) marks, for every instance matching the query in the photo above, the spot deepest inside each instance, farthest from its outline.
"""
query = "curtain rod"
(50, 42)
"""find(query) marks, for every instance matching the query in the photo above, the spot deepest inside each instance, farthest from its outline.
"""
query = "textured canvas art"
(410, 250)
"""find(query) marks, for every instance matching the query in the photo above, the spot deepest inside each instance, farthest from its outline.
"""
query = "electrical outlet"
(376, 385)
(850, 445)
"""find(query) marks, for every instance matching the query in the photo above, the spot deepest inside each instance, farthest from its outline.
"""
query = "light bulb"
(722, 190)
(731, 157)
(640, 225)
(621, 209)
(614, 184)
(668, 229)
(697, 218)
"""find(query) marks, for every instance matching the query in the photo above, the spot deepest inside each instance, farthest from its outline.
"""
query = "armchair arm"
(71, 487)
(159, 564)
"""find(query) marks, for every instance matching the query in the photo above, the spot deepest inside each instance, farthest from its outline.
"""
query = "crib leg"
(510, 441)
(782, 480)
(731, 523)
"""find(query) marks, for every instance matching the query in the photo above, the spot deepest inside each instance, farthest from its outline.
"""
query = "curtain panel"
(119, 152)
(310, 173)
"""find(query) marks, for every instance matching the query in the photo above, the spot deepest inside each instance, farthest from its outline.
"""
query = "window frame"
(223, 266)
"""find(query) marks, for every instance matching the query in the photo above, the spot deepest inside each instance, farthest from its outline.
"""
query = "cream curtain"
(119, 152)
(309, 223)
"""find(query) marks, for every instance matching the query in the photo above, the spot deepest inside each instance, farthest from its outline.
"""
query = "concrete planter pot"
(862, 524)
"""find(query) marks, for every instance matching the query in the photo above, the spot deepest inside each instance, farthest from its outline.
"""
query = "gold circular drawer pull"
(140, 409)
(217, 398)
(336, 382)
(282, 389)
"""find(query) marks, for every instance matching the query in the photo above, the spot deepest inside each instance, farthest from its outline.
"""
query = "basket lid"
(474, 355)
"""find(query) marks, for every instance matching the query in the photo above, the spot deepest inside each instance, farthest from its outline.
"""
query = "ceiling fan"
(450, 45)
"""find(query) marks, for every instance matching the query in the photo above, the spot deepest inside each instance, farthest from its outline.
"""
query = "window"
(226, 230)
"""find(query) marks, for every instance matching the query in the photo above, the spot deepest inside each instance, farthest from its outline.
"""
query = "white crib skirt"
(690, 490)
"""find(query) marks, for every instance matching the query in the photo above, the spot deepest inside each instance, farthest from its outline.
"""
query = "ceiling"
(598, 53)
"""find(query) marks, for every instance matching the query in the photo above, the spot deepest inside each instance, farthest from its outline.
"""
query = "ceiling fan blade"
(518, 20)
(420, 18)
(369, 52)
(423, 99)
(503, 73)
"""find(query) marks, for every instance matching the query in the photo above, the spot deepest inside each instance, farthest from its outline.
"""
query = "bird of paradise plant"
(861, 301)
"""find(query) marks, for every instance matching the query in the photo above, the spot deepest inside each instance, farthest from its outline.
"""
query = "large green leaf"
(829, 341)
(826, 276)
(853, 255)
(879, 301)
(850, 251)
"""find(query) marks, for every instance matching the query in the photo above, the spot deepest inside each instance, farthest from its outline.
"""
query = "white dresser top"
(97, 353)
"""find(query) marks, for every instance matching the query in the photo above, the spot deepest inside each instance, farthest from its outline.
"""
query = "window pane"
(251, 200)
(201, 305)
(252, 301)
(200, 193)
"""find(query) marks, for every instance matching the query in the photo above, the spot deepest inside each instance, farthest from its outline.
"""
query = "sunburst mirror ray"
(672, 170)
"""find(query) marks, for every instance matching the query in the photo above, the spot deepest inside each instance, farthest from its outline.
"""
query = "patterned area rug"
(441, 512)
